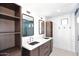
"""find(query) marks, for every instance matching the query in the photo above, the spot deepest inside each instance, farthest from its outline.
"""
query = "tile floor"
(61, 52)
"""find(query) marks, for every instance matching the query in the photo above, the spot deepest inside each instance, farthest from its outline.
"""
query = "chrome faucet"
(31, 39)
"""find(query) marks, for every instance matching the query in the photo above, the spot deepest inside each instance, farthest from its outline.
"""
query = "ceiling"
(49, 9)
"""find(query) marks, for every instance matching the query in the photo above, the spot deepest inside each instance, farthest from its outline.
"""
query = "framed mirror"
(27, 25)
(41, 27)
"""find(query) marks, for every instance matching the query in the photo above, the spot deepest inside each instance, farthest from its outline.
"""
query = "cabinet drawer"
(34, 52)
(46, 53)
(45, 46)
(45, 49)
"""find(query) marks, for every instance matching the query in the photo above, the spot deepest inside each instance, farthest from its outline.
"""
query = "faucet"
(31, 39)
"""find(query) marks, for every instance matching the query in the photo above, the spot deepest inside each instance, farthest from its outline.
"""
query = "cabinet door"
(49, 29)
(45, 49)
(6, 41)
(34, 52)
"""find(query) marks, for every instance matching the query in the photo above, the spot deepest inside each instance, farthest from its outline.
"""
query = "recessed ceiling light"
(58, 10)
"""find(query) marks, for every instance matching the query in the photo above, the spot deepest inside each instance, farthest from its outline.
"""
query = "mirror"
(41, 27)
(27, 25)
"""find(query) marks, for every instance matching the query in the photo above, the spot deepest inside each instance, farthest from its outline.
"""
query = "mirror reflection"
(28, 25)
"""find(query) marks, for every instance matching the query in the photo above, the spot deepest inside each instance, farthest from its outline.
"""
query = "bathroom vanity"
(42, 48)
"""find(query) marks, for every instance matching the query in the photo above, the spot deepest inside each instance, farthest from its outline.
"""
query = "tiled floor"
(61, 52)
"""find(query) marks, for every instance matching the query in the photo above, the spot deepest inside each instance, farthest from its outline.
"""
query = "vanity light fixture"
(28, 12)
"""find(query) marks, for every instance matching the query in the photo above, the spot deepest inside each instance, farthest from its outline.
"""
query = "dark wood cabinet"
(49, 29)
(26, 52)
(35, 52)
(10, 23)
(43, 50)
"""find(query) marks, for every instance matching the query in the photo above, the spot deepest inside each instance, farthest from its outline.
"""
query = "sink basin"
(46, 38)
(33, 43)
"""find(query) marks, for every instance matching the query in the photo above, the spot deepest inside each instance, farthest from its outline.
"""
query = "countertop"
(41, 41)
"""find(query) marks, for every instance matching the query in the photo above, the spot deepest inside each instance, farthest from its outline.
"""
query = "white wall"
(64, 38)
